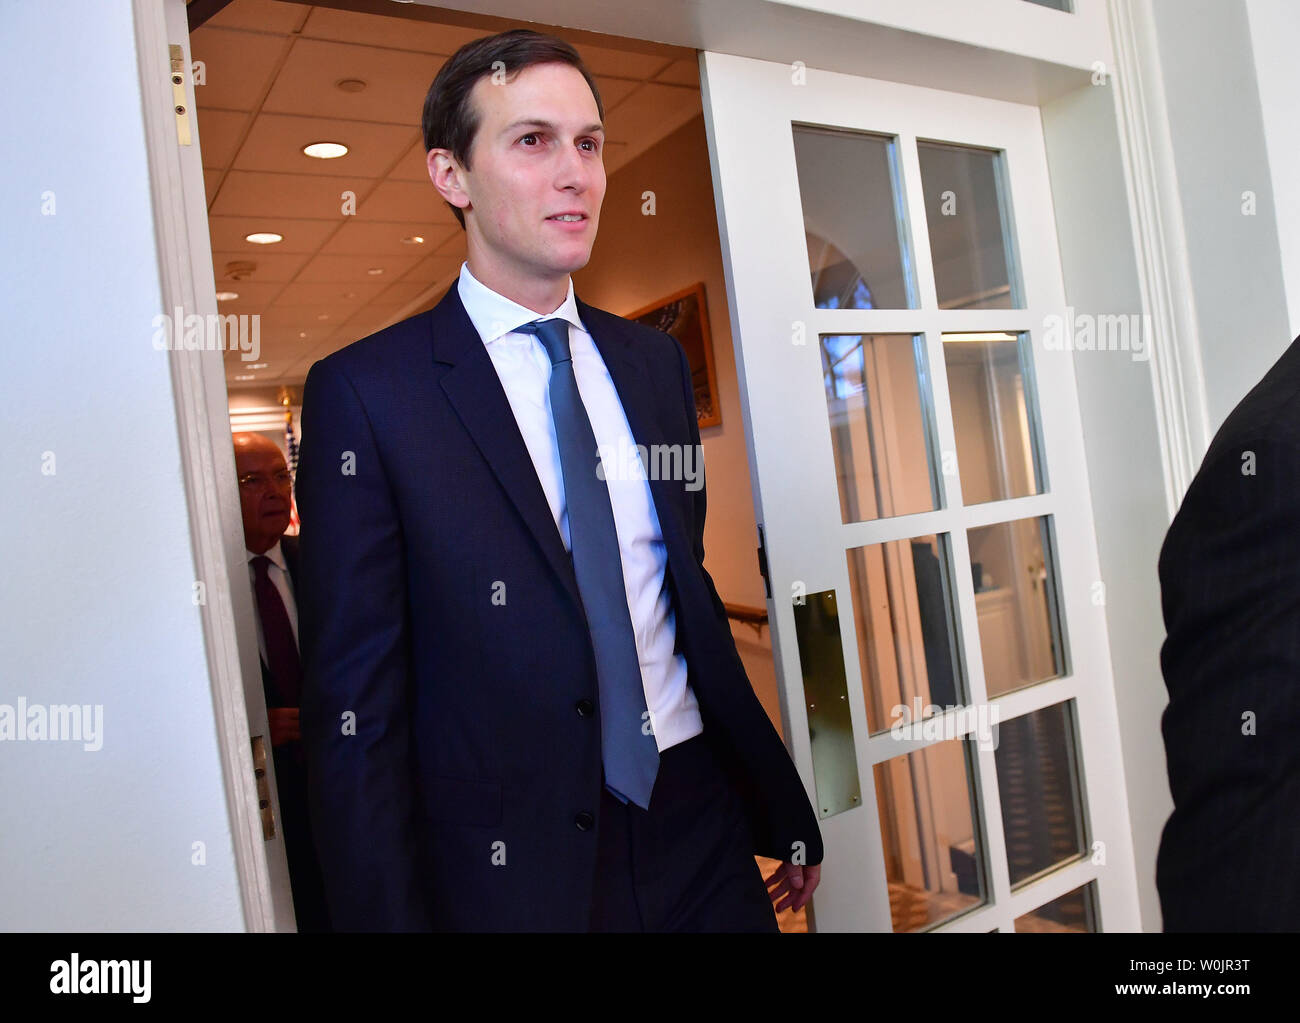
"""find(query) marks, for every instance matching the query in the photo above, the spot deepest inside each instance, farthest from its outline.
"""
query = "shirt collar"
(494, 315)
(275, 554)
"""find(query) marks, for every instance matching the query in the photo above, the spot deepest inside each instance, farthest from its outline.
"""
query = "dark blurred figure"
(1230, 581)
(265, 489)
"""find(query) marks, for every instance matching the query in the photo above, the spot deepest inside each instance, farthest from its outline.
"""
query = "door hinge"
(263, 788)
(762, 562)
(183, 135)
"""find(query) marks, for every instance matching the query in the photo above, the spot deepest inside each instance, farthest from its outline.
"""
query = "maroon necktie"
(281, 649)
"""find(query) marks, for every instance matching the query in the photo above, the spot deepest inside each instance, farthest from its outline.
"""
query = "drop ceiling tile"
(653, 111)
(403, 293)
(350, 296)
(211, 179)
(384, 238)
(290, 350)
(285, 345)
(350, 269)
(262, 15)
(406, 201)
(253, 297)
(219, 132)
(365, 322)
(277, 140)
(601, 60)
(612, 92)
(434, 268)
(395, 83)
(295, 319)
(278, 345)
(453, 245)
(228, 234)
(272, 267)
(274, 196)
(414, 165)
(394, 32)
(681, 72)
(616, 154)
(237, 67)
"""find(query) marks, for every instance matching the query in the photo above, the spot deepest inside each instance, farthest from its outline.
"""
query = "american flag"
(291, 445)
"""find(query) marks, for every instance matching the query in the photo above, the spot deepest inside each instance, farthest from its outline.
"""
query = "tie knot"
(261, 566)
(554, 335)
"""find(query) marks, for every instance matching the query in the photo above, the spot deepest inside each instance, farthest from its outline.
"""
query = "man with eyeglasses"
(266, 502)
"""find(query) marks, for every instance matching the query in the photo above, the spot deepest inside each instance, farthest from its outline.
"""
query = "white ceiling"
(271, 72)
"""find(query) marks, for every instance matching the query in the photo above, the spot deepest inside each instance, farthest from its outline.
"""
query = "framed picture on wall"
(685, 316)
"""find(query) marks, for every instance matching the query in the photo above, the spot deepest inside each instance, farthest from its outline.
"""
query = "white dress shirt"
(278, 572)
(525, 369)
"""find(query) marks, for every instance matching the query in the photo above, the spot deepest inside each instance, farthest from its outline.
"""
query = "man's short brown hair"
(450, 120)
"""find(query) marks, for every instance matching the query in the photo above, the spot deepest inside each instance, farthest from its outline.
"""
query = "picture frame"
(684, 315)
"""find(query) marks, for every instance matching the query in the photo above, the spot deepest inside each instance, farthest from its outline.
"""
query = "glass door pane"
(857, 247)
(968, 219)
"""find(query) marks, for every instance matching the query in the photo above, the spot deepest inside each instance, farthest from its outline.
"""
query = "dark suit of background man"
(265, 499)
(1230, 583)
(476, 685)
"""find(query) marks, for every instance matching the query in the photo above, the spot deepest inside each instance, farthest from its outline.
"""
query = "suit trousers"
(687, 863)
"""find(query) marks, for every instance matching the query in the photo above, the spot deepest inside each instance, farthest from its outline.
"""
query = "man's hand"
(284, 725)
(794, 885)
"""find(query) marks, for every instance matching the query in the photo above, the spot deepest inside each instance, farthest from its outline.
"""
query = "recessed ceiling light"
(415, 239)
(322, 316)
(326, 150)
(246, 376)
(258, 365)
(350, 85)
(302, 333)
(375, 271)
(227, 296)
(263, 237)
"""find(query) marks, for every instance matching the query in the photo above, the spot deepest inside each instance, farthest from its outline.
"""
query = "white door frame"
(186, 273)
(208, 465)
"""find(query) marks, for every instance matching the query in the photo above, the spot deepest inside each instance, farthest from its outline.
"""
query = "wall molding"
(1159, 246)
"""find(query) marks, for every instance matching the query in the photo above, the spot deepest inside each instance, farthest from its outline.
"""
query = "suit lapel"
(475, 392)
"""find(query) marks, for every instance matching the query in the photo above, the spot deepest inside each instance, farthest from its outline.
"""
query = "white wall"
(1122, 450)
(1274, 33)
(96, 606)
(1219, 152)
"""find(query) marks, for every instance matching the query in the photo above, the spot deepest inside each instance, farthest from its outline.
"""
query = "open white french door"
(917, 453)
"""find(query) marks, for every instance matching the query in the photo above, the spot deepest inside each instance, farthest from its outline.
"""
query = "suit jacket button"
(584, 821)
(585, 708)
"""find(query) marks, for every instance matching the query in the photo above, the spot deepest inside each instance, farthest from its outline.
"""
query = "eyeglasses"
(252, 481)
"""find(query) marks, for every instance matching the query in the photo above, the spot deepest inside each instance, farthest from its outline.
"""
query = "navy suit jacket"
(453, 752)
(1229, 857)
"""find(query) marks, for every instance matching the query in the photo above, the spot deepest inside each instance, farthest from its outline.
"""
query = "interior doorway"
(325, 251)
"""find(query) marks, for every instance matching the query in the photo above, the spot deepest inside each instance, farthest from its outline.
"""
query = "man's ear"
(447, 176)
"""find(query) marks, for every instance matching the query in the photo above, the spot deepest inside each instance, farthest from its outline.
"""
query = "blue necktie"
(629, 751)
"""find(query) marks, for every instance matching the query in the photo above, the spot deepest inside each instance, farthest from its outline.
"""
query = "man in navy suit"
(523, 707)
(1229, 856)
